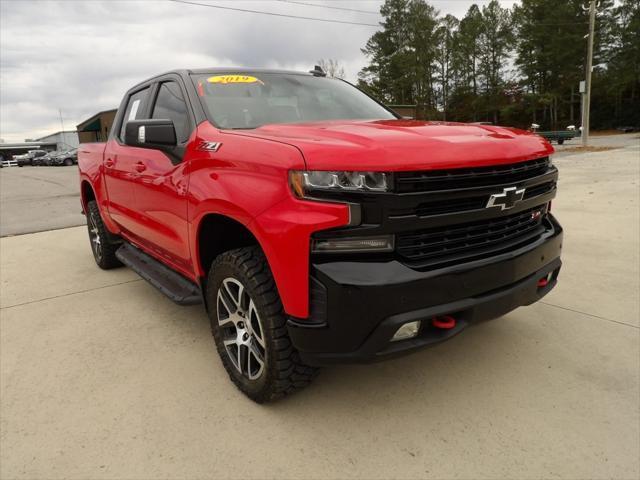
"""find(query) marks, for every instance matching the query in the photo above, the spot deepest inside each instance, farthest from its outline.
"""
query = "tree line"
(507, 66)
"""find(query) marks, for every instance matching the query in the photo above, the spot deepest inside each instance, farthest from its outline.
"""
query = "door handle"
(109, 163)
(140, 167)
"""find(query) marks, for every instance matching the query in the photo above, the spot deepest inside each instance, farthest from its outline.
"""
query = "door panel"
(161, 217)
(161, 185)
(119, 165)
(120, 177)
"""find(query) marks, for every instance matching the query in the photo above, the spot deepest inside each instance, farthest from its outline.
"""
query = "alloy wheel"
(241, 328)
(94, 237)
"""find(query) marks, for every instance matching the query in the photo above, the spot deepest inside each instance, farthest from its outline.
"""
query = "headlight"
(303, 182)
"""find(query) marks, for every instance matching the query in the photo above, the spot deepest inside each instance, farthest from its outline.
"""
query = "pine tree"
(495, 44)
(460, 69)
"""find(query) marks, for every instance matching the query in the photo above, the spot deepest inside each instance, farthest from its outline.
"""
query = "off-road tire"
(105, 257)
(283, 371)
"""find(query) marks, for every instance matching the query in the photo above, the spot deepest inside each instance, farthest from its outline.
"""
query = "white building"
(64, 140)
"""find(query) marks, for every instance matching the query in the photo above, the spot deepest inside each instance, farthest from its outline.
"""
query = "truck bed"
(90, 156)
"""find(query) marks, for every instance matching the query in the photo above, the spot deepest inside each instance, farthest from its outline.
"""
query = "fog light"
(408, 330)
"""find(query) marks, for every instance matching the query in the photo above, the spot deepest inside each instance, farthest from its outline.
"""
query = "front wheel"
(68, 162)
(249, 327)
(560, 141)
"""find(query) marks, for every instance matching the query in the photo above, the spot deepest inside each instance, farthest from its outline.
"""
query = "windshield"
(250, 101)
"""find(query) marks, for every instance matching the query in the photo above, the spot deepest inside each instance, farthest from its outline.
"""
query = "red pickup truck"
(314, 224)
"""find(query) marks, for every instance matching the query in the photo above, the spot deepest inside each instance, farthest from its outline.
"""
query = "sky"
(77, 58)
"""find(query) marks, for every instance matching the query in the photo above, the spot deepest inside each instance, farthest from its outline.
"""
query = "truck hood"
(396, 145)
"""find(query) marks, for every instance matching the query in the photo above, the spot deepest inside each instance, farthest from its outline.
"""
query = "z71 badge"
(209, 146)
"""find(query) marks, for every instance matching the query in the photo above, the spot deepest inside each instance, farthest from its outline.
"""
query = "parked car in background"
(67, 158)
(51, 159)
(46, 159)
(37, 161)
(32, 157)
(22, 160)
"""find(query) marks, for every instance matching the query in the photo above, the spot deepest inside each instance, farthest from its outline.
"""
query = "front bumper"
(360, 305)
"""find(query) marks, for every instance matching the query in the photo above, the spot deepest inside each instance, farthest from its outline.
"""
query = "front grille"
(470, 241)
(475, 202)
(434, 180)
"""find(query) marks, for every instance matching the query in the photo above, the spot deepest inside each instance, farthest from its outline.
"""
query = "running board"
(178, 288)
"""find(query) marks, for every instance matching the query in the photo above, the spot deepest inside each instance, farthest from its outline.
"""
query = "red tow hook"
(544, 281)
(445, 322)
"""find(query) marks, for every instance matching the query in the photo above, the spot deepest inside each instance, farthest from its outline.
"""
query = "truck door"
(161, 183)
(120, 165)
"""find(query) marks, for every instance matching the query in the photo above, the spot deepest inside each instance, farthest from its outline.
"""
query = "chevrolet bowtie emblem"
(509, 197)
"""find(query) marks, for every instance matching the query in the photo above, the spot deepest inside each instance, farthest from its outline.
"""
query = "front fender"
(284, 232)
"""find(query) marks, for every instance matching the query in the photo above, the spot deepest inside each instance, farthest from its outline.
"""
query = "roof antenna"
(318, 71)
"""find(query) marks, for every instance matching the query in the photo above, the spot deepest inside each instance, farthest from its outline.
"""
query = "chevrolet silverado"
(314, 224)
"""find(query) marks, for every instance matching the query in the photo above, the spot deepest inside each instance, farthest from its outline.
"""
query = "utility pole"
(586, 104)
(61, 123)
(62, 126)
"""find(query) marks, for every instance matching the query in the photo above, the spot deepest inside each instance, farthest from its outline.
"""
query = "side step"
(172, 284)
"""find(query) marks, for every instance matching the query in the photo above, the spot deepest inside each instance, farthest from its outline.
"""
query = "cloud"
(81, 56)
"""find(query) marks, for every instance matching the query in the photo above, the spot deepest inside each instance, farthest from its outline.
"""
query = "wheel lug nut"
(245, 337)
(240, 325)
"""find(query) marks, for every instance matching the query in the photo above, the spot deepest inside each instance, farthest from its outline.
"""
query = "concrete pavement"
(102, 377)
(34, 199)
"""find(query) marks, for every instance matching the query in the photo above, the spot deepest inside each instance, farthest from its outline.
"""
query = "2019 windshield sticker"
(225, 79)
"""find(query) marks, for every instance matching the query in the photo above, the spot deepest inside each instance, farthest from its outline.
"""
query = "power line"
(533, 25)
(326, 20)
(371, 12)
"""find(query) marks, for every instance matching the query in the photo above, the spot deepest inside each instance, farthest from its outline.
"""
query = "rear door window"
(135, 108)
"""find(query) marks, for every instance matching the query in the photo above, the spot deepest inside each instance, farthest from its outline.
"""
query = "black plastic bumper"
(363, 303)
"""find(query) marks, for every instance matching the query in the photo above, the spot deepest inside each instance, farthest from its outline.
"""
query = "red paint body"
(159, 206)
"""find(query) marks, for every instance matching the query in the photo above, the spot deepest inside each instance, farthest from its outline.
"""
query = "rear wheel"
(103, 243)
(249, 327)
(68, 162)
(560, 141)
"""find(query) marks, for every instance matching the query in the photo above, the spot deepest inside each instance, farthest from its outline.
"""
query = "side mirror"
(158, 134)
